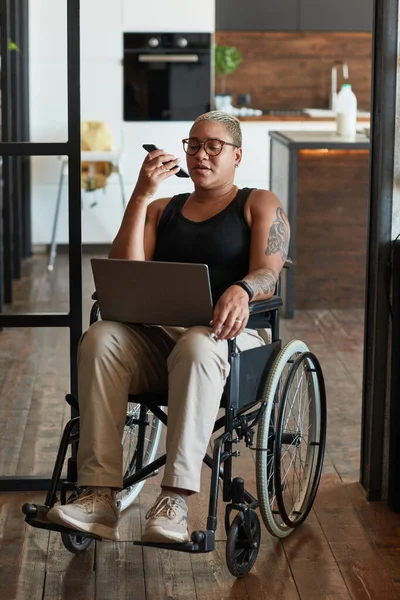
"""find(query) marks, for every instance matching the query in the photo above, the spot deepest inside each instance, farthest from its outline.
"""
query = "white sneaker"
(167, 521)
(91, 512)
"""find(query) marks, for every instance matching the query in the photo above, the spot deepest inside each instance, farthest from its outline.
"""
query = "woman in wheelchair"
(243, 236)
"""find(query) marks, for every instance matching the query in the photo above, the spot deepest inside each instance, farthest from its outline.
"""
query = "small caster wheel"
(76, 543)
(243, 543)
(198, 537)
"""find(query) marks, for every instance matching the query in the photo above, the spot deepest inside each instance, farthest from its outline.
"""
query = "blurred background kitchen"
(145, 76)
(146, 73)
(293, 52)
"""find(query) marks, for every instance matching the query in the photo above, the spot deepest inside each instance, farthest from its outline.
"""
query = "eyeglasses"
(212, 147)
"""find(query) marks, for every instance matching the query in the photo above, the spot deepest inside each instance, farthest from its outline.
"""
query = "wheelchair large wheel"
(243, 543)
(279, 399)
(129, 443)
(300, 440)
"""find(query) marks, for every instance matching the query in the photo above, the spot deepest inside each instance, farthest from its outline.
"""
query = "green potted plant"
(226, 61)
(12, 46)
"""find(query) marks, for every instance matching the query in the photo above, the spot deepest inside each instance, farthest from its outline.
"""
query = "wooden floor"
(347, 549)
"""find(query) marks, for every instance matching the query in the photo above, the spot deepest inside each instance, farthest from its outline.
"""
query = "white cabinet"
(254, 168)
(171, 16)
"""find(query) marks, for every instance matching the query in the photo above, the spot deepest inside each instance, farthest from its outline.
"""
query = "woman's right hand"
(157, 166)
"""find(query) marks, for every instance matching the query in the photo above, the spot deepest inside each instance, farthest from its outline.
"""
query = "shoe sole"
(96, 528)
(158, 535)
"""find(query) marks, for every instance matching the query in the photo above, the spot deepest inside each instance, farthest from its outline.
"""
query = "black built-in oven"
(167, 76)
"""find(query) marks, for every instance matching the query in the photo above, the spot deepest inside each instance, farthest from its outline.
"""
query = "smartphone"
(180, 173)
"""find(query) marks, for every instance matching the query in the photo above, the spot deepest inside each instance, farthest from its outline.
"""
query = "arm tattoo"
(278, 239)
(263, 282)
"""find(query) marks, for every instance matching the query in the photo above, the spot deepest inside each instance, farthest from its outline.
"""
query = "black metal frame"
(6, 106)
(394, 446)
(16, 238)
(72, 149)
(242, 412)
(376, 336)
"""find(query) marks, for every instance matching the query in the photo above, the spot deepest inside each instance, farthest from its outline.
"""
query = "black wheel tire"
(76, 543)
(242, 549)
(316, 476)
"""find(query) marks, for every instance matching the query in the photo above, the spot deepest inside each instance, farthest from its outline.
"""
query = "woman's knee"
(196, 346)
(101, 339)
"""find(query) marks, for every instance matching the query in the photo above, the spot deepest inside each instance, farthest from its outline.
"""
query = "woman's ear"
(238, 156)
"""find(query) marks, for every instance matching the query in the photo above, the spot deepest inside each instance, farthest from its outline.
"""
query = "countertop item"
(320, 139)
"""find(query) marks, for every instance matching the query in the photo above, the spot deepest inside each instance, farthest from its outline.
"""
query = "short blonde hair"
(231, 124)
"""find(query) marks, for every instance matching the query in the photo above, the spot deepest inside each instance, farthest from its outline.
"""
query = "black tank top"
(221, 242)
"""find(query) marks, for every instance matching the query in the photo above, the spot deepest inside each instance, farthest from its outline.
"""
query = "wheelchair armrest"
(262, 306)
(94, 313)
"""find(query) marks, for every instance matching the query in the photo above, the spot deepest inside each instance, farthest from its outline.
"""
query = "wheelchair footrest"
(38, 518)
(202, 541)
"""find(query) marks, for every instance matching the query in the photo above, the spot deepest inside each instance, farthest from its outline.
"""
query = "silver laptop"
(153, 293)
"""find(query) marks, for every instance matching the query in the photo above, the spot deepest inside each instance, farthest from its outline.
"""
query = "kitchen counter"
(318, 140)
(296, 118)
(322, 180)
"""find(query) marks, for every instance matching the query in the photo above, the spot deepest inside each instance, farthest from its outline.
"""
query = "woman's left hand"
(231, 313)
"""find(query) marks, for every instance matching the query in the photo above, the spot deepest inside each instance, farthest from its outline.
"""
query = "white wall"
(102, 26)
(101, 99)
(171, 15)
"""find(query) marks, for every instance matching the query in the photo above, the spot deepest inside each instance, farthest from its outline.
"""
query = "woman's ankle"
(181, 492)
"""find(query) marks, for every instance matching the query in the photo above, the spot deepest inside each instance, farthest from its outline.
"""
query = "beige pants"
(115, 359)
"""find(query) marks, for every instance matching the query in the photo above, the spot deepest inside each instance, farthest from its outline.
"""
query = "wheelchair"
(274, 401)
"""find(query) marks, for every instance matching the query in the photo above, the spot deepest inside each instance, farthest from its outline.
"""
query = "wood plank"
(271, 576)
(212, 578)
(60, 585)
(313, 565)
(23, 551)
(360, 564)
(129, 524)
(284, 56)
(119, 571)
(59, 559)
(169, 575)
(383, 526)
(68, 575)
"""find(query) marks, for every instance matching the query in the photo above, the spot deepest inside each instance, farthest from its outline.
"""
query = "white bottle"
(346, 112)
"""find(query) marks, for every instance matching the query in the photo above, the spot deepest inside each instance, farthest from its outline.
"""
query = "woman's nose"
(202, 153)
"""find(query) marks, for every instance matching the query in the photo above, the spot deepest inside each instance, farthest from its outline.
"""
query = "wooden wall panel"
(293, 70)
(331, 228)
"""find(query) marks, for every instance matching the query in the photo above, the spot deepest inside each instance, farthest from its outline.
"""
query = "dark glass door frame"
(71, 148)
(375, 430)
